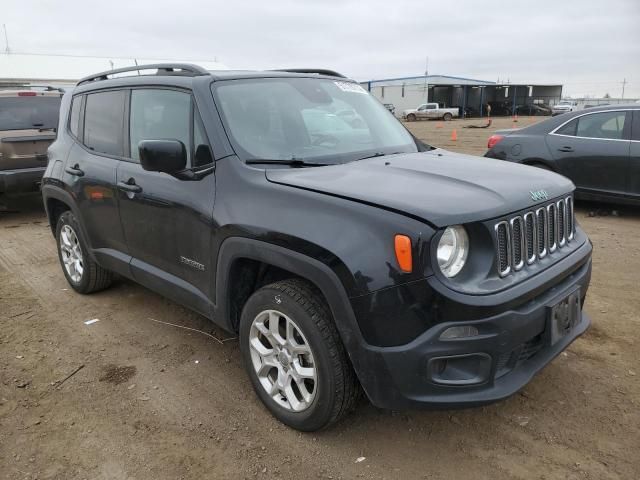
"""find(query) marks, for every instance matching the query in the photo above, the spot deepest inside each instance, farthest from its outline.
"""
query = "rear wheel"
(294, 357)
(447, 117)
(83, 274)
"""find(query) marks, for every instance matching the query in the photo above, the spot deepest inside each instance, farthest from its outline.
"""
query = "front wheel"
(447, 117)
(294, 357)
(411, 117)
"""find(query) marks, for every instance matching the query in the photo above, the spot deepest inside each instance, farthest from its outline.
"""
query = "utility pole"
(624, 82)
(426, 82)
(7, 50)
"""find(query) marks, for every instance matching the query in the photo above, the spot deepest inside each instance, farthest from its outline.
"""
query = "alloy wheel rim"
(71, 253)
(283, 360)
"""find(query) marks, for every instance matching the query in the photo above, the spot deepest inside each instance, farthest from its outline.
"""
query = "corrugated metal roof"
(431, 80)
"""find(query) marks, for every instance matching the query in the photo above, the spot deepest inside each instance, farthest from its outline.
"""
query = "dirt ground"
(152, 401)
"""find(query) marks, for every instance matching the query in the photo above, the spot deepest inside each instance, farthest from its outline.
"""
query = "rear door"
(97, 124)
(593, 151)
(167, 218)
(634, 157)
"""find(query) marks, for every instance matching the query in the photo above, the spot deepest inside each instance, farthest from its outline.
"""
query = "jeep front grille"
(524, 239)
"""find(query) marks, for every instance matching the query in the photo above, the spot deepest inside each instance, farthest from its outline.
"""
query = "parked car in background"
(391, 107)
(533, 109)
(28, 123)
(430, 111)
(598, 149)
(500, 108)
(564, 106)
(344, 259)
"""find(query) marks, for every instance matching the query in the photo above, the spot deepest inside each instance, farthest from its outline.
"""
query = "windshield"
(316, 120)
(23, 113)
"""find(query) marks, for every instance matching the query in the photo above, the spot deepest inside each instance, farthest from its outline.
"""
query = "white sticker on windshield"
(350, 87)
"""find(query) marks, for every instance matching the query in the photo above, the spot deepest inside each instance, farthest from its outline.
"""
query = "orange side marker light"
(403, 253)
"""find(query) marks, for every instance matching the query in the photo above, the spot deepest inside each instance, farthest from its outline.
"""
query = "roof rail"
(26, 86)
(319, 71)
(182, 69)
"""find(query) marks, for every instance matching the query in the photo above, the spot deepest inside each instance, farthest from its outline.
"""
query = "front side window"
(159, 115)
(103, 122)
(635, 134)
(609, 125)
(326, 121)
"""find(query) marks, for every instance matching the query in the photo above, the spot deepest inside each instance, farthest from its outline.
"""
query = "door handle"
(75, 171)
(129, 186)
(565, 149)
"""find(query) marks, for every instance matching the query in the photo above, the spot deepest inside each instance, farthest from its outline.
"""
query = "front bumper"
(512, 346)
(21, 180)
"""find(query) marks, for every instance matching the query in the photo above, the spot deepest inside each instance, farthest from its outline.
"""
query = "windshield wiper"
(294, 162)
(378, 154)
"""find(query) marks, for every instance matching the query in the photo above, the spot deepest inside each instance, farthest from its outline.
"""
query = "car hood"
(409, 110)
(440, 187)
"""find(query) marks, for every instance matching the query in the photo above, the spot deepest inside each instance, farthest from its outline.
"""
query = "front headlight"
(453, 249)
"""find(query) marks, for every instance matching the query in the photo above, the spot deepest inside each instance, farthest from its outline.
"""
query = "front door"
(167, 218)
(593, 151)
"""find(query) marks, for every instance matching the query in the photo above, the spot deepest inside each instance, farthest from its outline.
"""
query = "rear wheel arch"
(55, 208)
(539, 163)
(60, 201)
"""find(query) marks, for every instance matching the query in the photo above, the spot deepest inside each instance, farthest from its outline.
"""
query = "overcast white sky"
(588, 45)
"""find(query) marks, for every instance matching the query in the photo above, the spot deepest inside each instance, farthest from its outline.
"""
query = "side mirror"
(168, 156)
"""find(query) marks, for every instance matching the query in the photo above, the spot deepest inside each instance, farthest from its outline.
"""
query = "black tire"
(93, 277)
(337, 386)
(411, 117)
(447, 117)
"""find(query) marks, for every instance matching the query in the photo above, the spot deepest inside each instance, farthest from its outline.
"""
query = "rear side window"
(159, 115)
(74, 117)
(103, 122)
(569, 128)
(609, 125)
(635, 134)
(29, 112)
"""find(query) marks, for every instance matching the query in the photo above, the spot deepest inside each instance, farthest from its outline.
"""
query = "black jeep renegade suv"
(345, 253)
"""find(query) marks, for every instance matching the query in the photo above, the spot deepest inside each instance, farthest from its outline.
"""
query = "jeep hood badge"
(539, 195)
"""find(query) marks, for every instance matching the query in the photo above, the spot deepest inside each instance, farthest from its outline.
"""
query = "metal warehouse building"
(468, 94)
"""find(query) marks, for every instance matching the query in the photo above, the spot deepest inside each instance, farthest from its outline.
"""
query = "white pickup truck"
(564, 106)
(428, 111)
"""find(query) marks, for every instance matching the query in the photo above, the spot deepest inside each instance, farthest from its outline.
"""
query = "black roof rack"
(319, 71)
(183, 69)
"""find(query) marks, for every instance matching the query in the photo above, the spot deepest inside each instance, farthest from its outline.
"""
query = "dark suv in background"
(346, 256)
(28, 122)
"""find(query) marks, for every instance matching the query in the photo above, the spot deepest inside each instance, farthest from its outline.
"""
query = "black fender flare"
(364, 357)
(50, 191)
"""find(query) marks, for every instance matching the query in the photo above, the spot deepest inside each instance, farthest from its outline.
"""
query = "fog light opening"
(463, 331)
(469, 369)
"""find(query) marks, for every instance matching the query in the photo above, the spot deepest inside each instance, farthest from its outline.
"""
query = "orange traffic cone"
(454, 135)
(515, 117)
